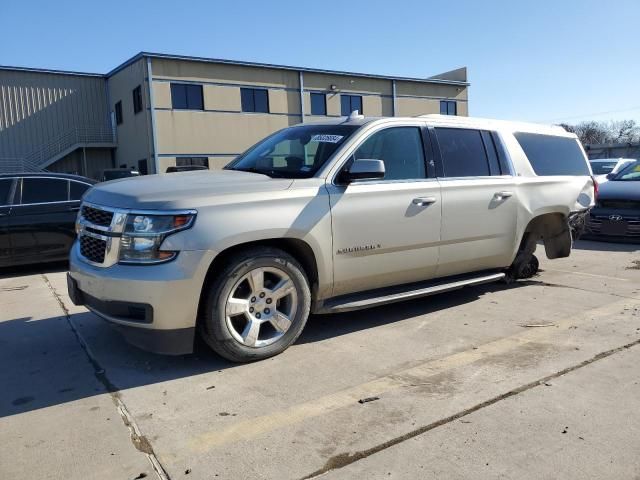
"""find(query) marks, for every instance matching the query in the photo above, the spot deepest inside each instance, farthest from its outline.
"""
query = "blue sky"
(543, 61)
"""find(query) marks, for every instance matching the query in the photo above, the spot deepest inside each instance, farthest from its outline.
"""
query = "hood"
(620, 190)
(181, 190)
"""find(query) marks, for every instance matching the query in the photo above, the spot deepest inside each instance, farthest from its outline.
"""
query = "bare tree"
(593, 132)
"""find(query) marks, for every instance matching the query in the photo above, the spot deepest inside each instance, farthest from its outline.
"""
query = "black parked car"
(37, 216)
(616, 215)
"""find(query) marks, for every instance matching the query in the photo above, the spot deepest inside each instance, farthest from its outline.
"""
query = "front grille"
(93, 249)
(594, 225)
(97, 216)
(620, 204)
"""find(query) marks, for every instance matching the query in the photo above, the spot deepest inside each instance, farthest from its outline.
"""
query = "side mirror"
(611, 176)
(364, 169)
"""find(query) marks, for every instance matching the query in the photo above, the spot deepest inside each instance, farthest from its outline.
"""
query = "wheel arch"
(553, 229)
(298, 249)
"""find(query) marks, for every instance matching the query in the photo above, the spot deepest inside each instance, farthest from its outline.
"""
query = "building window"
(187, 161)
(186, 97)
(137, 99)
(118, 110)
(350, 103)
(254, 100)
(448, 107)
(318, 104)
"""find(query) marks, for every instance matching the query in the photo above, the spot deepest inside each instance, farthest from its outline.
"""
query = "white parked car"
(325, 217)
(602, 167)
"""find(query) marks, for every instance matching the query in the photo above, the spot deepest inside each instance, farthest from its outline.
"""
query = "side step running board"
(383, 297)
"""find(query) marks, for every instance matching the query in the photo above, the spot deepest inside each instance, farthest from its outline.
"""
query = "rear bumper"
(155, 307)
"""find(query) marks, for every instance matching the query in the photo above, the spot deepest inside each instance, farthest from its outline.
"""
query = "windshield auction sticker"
(327, 138)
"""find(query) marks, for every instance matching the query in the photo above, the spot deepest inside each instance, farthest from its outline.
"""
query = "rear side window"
(401, 150)
(44, 190)
(77, 189)
(463, 153)
(5, 189)
(551, 155)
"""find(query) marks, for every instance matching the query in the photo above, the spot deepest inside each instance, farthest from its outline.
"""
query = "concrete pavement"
(433, 364)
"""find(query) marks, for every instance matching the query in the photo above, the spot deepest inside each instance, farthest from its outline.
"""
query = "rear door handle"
(503, 195)
(74, 209)
(423, 201)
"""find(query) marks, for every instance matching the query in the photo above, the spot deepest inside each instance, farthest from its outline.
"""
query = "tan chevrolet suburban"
(325, 217)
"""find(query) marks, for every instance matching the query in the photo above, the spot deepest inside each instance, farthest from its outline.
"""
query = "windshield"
(631, 172)
(295, 152)
(602, 168)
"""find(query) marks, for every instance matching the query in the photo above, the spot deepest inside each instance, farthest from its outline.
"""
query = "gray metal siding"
(37, 108)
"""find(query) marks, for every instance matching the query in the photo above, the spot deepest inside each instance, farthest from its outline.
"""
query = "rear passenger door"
(42, 223)
(479, 204)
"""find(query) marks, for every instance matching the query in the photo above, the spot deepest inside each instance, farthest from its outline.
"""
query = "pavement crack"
(139, 441)
(344, 459)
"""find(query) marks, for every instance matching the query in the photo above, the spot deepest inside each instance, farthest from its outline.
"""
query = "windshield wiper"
(268, 173)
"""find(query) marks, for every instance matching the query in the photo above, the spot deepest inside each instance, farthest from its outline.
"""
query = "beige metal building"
(158, 110)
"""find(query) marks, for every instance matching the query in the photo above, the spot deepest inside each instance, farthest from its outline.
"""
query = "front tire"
(257, 305)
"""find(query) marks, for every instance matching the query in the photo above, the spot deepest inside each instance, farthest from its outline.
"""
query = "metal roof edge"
(167, 56)
(49, 70)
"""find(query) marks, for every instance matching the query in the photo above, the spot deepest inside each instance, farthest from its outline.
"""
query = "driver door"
(387, 232)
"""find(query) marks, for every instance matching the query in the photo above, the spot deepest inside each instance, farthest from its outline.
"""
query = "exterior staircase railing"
(38, 159)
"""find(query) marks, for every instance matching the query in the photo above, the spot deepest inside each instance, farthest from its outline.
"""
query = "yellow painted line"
(584, 274)
(258, 426)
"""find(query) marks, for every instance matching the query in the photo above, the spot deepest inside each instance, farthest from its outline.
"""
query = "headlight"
(143, 235)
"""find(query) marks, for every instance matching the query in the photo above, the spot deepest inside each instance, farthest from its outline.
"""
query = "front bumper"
(617, 225)
(155, 307)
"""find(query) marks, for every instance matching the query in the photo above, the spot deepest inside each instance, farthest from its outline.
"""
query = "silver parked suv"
(325, 217)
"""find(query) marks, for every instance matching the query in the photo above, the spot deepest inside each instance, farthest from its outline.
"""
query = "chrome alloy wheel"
(261, 306)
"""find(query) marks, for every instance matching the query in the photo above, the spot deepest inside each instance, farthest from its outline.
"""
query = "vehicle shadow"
(45, 364)
(605, 246)
(33, 269)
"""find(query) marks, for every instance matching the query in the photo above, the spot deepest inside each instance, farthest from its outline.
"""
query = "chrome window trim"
(12, 190)
(355, 142)
(19, 179)
(480, 177)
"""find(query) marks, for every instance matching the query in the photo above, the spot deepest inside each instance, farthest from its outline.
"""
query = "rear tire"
(256, 306)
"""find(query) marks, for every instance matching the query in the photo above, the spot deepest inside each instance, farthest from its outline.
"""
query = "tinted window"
(448, 107)
(42, 190)
(350, 103)
(463, 153)
(601, 168)
(631, 172)
(401, 150)
(77, 189)
(492, 154)
(184, 161)
(137, 99)
(186, 97)
(118, 110)
(5, 188)
(318, 104)
(254, 100)
(551, 155)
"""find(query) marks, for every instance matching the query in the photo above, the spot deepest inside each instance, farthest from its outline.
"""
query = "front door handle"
(423, 201)
(503, 195)
(74, 209)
